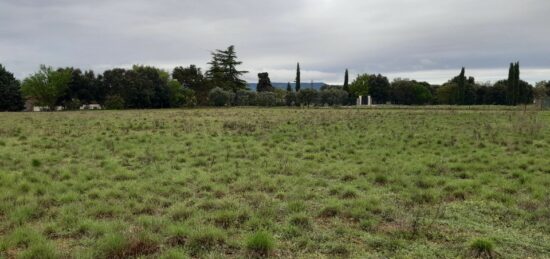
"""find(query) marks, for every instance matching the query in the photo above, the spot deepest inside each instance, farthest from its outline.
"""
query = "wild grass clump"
(301, 220)
(482, 248)
(40, 251)
(116, 245)
(260, 243)
(330, 211)
(205, 239)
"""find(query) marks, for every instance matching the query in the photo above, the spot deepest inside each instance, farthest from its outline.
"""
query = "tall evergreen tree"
(461, 87)
(288, 87)
(346, 81)
(513, 91)
(10, 92)
(223, 70)
(264, 83)
(298, 78)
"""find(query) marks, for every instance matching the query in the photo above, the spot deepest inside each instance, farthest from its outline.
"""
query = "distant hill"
(304, 85)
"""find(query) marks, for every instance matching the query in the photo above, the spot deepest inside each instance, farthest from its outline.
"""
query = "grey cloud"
(396, 37)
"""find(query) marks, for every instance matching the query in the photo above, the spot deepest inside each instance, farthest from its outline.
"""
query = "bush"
(114, 102)
(219, 97)
(308, 97)
(266, 99)
(244, 98)
(291, 99)
(333, 96)
(261, 243)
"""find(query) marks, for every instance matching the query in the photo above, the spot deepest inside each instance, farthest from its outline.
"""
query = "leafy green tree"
(46, 86)
(298, 83)
(410, 92)
(156, 81)
(360, 86)
(180, 95)
(10, 92)
(264, 83)
(84, 88)
(379, 88)
(193, 78)
(223, 70)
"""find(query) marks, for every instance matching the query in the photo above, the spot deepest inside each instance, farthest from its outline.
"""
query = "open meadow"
(279, 182)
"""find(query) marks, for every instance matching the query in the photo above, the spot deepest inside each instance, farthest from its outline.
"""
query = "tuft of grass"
(483, 248)
(35, 162)
(301, 220)
(205, 239)
(260, 243)
(116, 245)
(330, 211)
(40, 251)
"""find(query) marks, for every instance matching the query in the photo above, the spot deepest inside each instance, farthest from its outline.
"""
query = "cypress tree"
(514, 94)
(461, 87)
(298, 78)
(288, 87)
(510, 85)
(346, 81)
(519, 91)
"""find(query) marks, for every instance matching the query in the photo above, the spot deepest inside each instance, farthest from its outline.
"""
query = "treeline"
(221, 85)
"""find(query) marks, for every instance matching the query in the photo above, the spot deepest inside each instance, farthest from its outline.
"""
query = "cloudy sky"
(422, 39)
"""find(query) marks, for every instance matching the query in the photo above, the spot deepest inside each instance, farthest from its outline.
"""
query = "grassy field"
(250, 182)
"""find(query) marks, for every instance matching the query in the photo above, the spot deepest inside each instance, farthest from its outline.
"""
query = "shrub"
(244, 98)
(333, 96)
(261, 243)
(482, 248)
(291, 99)
(308, 97)
(114, 102)
(219, 97)
(266, 99)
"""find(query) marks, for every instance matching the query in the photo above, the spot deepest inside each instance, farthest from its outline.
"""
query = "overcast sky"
(421, 39)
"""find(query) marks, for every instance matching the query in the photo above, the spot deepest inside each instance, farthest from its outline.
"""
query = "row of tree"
(222, 85)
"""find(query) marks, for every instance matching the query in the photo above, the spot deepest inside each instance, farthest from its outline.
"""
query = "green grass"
(248, 182)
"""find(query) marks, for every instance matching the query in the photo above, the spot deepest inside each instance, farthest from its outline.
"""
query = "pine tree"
(223, 70)
(298, 78)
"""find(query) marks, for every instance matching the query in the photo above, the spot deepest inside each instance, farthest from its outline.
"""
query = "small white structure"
(360, 100)
(92, 106)
(46, 108)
